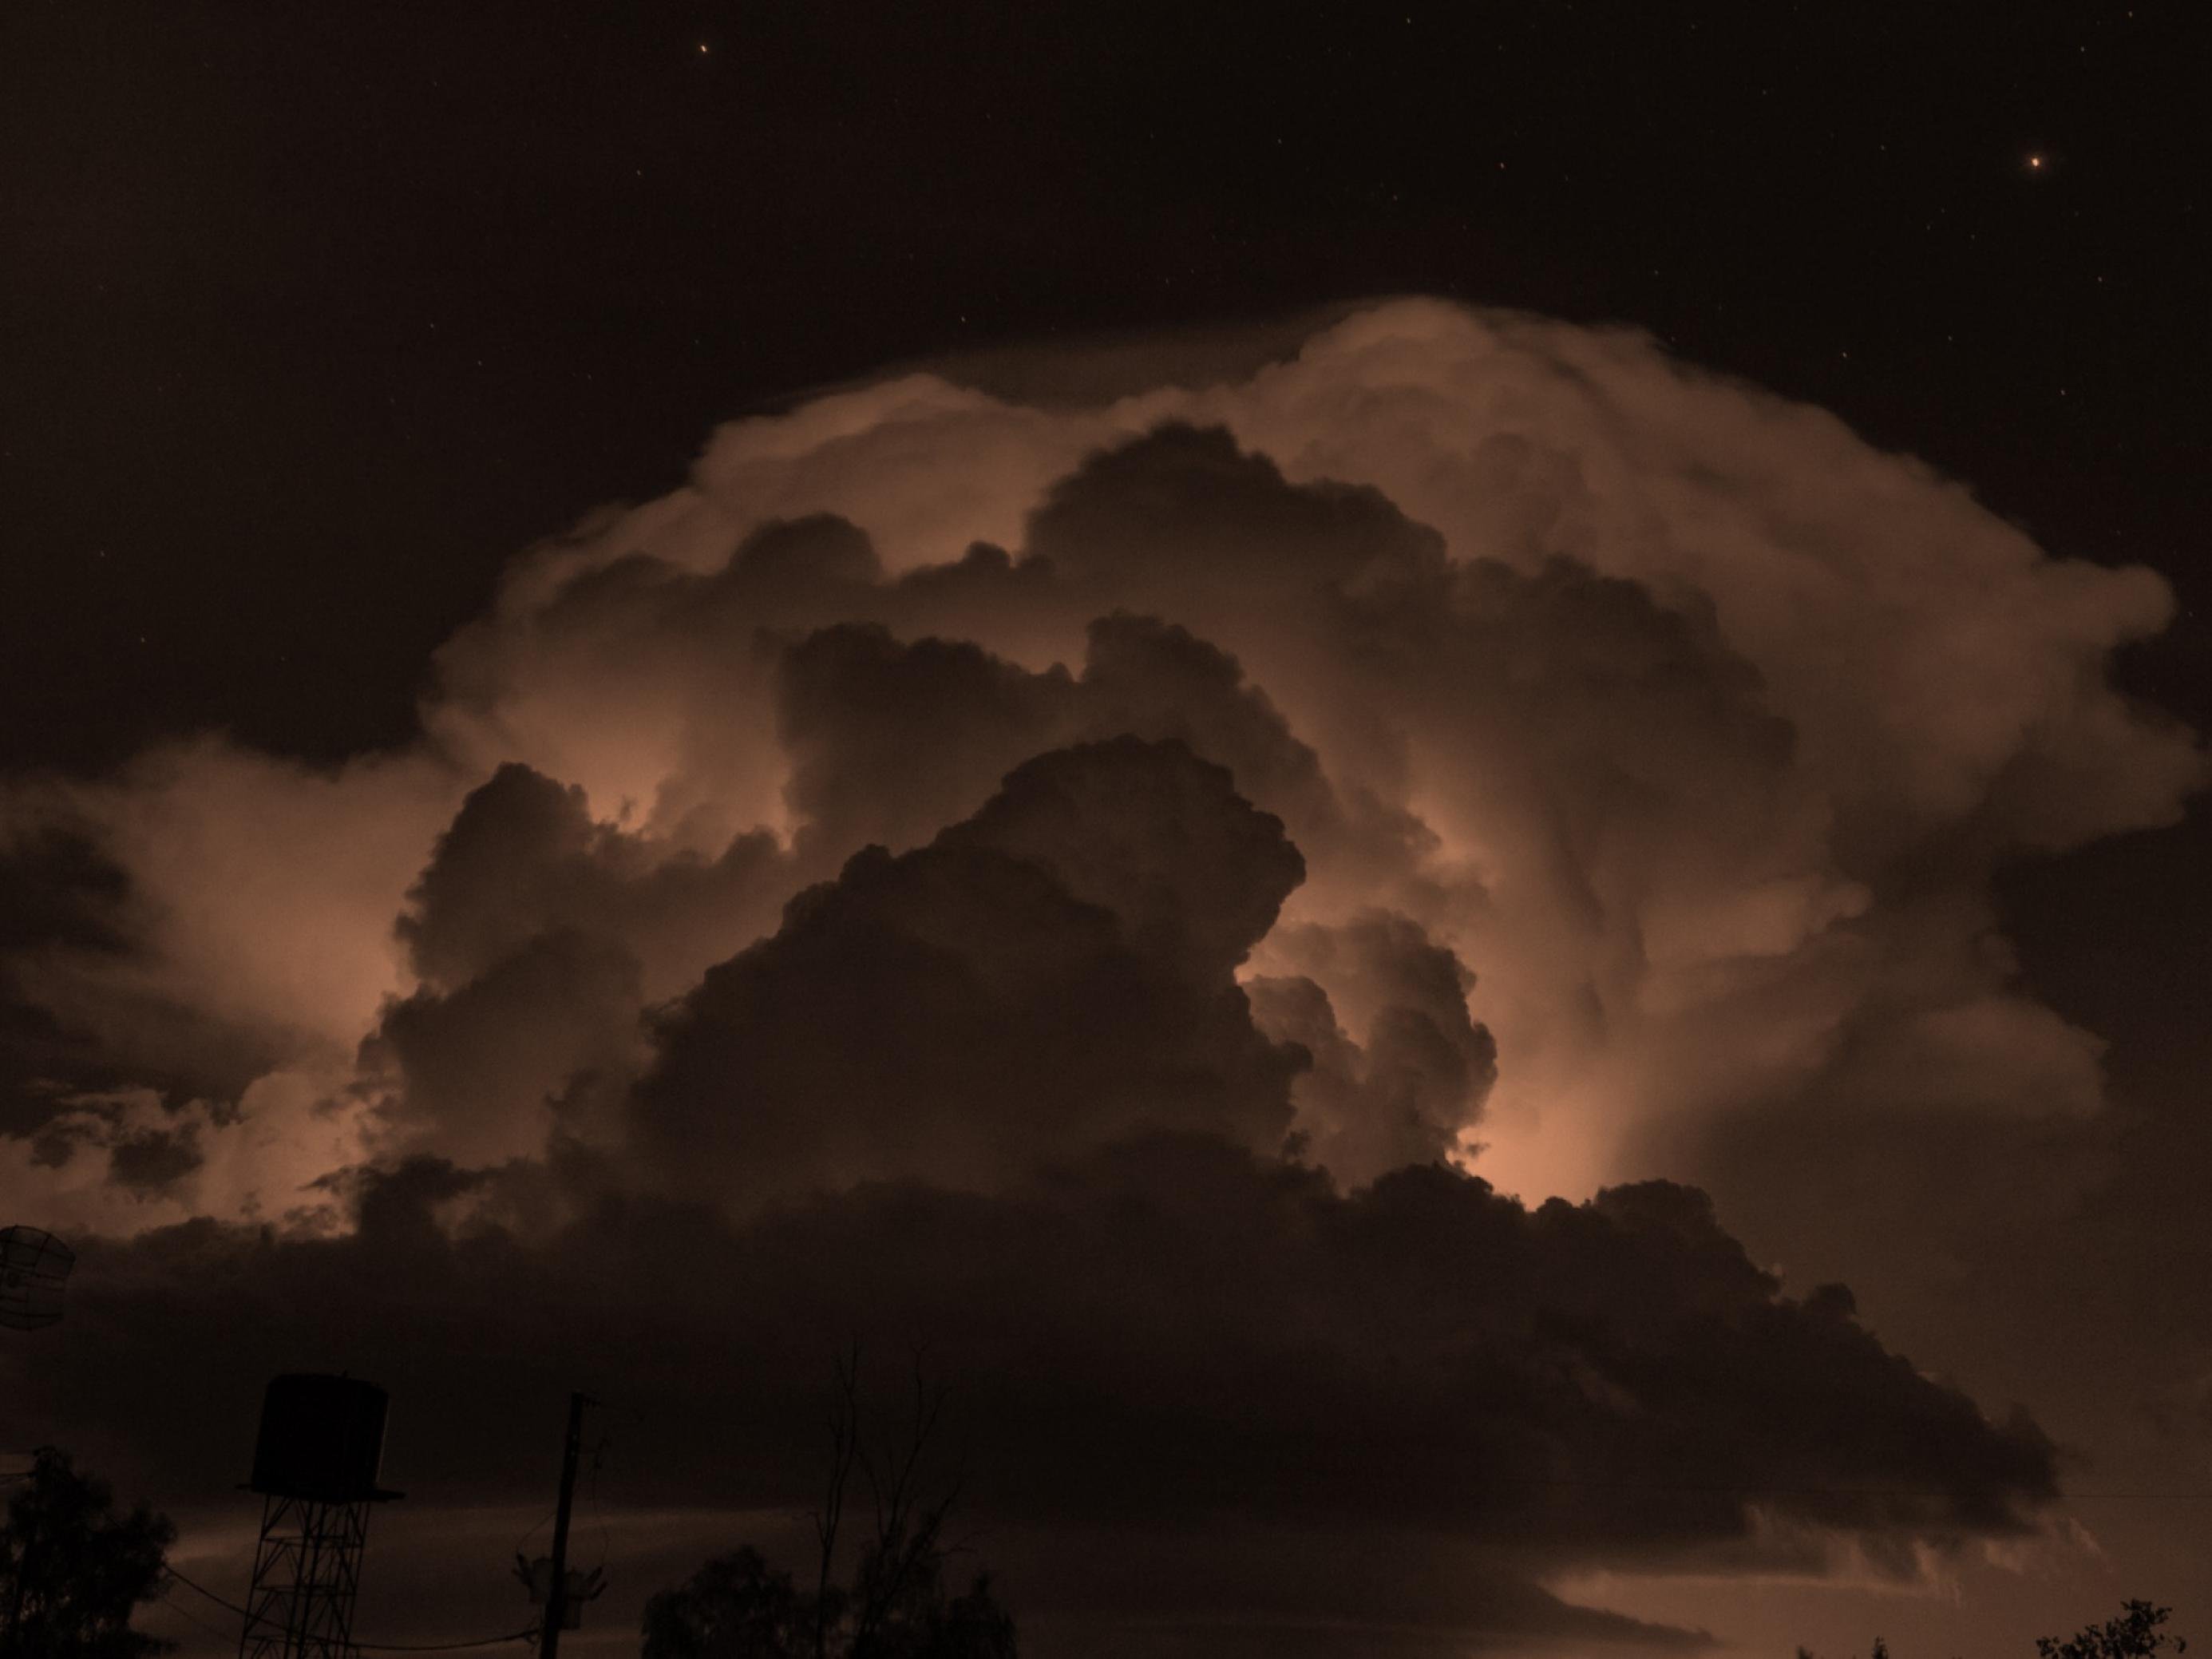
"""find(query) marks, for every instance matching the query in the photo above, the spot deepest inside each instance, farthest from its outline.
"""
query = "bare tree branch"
(844, 1446)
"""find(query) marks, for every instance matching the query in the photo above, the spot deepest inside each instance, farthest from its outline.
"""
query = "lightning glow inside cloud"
(1690, 724)
(1151, 832)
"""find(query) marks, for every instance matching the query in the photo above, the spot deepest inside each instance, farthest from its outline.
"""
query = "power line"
(2065, 1494)
(527, 1634)
(371, 1647)
(538, 1528)
(599, 1515)
(192, 1617)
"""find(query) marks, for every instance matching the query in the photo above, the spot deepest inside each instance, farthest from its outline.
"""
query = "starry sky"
(1637, 575)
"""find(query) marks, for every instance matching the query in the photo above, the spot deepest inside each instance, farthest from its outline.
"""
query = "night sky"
(684, 682)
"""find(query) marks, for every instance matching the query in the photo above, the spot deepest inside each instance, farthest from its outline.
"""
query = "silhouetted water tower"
(315, 1462)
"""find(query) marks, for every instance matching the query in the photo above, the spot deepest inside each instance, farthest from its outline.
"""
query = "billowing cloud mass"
(1086, 882)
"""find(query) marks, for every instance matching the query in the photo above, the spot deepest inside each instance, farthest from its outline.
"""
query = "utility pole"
(557, 1597)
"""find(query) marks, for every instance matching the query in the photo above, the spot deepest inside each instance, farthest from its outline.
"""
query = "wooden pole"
(557, 1597)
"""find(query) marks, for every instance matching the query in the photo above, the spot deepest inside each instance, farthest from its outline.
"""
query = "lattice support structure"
(307, 1570)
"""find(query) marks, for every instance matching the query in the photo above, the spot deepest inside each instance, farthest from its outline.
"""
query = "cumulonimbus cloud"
(1691, 723)
(1468, 737)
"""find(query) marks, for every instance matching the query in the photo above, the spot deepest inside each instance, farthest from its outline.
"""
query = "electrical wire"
(591, 1496)
(368, 1647)
(192, 1617)
(527, 1634)
(2065, 1494)
(534, 1531)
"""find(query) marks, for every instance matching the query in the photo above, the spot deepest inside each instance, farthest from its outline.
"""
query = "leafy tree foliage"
(735, 1606)
(73, 1570)
(738, 1606)
(2138, 1633)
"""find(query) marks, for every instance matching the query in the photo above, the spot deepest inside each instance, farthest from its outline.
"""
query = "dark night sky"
(313, 317)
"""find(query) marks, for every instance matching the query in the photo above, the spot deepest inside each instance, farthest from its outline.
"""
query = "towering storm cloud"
(1095, 881)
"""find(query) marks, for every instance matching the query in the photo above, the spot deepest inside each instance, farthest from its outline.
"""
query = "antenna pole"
(557, 1597)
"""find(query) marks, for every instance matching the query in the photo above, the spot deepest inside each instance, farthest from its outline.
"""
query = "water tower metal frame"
(315, 1464)
(306, 1573)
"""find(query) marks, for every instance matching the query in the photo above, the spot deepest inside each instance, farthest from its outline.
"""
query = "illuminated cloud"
(1085, 868)
(1691, 723)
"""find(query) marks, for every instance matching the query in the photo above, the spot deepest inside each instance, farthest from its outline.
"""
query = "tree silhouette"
(2138, 1633)
(735, 1606)
(738, 1606)
(73, 1570)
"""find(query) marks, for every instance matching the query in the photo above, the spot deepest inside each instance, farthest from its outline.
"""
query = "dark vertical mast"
(557, 1597)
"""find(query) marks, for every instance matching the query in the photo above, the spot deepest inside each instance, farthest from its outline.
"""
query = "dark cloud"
(1239, 1590)
(479, 1070)
(890, 742)
(1000, 1101)
(1185, 509)
(1171, 1334)
(52, 1148)
(1156, 679)
(1054, 972)
(539, 937)
(57, 887)
(1405, 1094)
(1193, 873)
(153, 1160)
(40, 1052)
(65, 902)
(524, 858)
(807, 553)
(530, 924)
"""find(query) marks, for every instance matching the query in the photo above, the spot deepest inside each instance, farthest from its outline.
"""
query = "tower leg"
(307, 1574)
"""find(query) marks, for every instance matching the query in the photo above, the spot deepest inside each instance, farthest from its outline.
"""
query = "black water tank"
(322, 1438)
